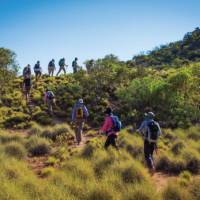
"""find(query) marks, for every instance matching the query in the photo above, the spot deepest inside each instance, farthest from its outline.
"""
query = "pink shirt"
(107, 126)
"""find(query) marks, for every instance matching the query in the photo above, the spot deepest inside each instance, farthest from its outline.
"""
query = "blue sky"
(46, 29)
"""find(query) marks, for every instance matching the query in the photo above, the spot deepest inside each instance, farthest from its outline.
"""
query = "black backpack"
(154, 130)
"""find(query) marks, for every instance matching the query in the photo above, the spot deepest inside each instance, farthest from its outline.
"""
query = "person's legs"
(50, 109)
(79, 130)
(108, 142)
(49, 71)
(64, 70)
(53, 71)
(59, 71)
(147, 154)
(113, 141)
(151, 151)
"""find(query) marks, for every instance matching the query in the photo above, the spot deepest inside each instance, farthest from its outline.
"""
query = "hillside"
(173, 54)
(39, 159)
(42, 163)
(173, 94)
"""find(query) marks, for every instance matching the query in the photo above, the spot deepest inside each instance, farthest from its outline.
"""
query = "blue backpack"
(117, 125)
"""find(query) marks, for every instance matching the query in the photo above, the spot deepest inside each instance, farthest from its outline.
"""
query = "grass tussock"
(38, 146)
(16, 150)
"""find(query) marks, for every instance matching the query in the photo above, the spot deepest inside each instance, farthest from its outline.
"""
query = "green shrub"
(47, 171)
(101, 194)
(130, 174)
(16, 150)
(38, 146)
(6, 138)
(177, 147)
(141, 192)
(35, 129)
(16, 119)
(175, 192)
(42, 118)
(185, 175)
(59, 132)
(192, 158)
(194, 189)
(88, 151)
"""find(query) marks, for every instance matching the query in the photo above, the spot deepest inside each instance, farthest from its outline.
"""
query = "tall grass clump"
(35, 129)
(15, 150)
(174, 192)
(6, 138)
(58, 132)
(38, 146)
(141, 192)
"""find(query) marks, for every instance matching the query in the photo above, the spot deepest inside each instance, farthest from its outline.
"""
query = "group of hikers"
(38, 72)
(111, 127)
(149, 129)
(52, 67)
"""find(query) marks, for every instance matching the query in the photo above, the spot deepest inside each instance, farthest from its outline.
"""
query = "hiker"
(89, 65)
(75, 65)
(62, 66)
(151, 131)
(111, 128)
(49, 99)
(79, 116)
(51, 67)
(27, 87)
(27, 72)
(37, 70)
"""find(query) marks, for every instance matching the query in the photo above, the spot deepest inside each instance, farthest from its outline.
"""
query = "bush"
(88, 151)
(194, 189)
(16, 119)
(35, 129)
(132, 175)
(177, 147)
(170, 164)
(16, 150)
(192, 158)
(101, 194)
(47, 171)
(174, 192)
(42, 118)
(38, 146)
(59, 132)
(6, 138)
(141, 192)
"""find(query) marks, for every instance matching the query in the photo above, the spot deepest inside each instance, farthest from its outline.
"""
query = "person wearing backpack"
(62, 66)
(37, 70)
(51, 67)
(75, 65)
(79, 116)
(150, 129)
(111, 127)
(49, 99)
(27, 87)
(27, 72)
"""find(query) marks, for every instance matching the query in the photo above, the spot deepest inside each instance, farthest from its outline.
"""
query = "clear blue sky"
(45, 29)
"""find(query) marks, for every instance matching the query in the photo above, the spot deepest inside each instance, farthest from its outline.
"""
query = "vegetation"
(40, 161)
(93, 173)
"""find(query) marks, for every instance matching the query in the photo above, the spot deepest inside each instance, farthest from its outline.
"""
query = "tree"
(8, 69)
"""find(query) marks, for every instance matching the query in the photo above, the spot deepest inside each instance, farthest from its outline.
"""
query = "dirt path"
(161, 180)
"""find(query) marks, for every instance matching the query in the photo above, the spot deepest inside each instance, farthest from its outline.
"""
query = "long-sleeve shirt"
(76, 107)
(107, 126)
(144, 129)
